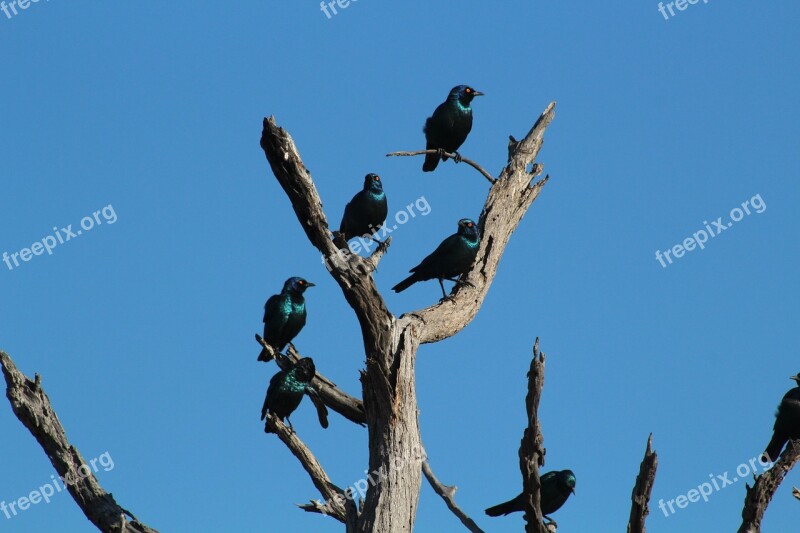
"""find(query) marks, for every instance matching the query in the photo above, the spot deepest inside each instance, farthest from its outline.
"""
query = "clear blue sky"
(143, 329)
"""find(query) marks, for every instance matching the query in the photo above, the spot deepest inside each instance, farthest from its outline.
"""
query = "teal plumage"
(556, 489)
(285, 315)
(366, 212)
(286, 391)
(451, 259)
(448, 127)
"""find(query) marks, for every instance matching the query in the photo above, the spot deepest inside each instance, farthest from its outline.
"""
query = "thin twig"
(641, 491)
(33, 408)
(334, 496)
(531, 449)
(448, 495)
(760, 494)
(349, 407)
(471, 163)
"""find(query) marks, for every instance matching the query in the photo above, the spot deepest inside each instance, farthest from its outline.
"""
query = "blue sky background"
(143, 330)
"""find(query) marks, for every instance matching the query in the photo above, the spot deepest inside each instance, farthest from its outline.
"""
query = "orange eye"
(376, 178)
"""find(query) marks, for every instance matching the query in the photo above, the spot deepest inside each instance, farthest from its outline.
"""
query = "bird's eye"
(377, 178)
(468, 90)
(469, 225)
(301, 282)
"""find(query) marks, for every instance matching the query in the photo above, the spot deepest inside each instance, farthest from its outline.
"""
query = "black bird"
(787, 423)
(284, 315)
(286, 390)
(366, 212)
(556, 488)
(448, 127)
(450, 260)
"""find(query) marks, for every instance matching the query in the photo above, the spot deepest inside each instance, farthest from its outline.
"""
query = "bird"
(556, 488)
(286, 390)
(284, 315)
(366, 212)
(451, 259)
(448, 127)
(787, 423)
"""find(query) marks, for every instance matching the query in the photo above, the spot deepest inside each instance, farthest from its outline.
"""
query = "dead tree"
(391, 343)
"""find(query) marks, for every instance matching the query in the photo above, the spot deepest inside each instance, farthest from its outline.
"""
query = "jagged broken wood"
(531, 448)
(452, 156)
(758, 496)
(33, 408)
(640, 496)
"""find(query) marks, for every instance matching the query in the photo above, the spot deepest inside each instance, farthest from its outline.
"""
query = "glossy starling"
(787, 423)
(448, 127)
(285, 315)
(556, 488)
(366, 212)
(450, 260)
(286, 390)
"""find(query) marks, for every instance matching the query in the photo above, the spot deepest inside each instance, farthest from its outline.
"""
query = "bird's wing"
(272, 307)
(322, 410)
(273, 386)
(548, 477)
(439, 254)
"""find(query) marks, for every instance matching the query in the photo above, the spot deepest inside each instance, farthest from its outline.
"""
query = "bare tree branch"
(335, 498)
(339, 401)
(508, 200)
(471, 163)
(641, 491)
(760, 494)
(448, 495)
(32, 407)
(531, 448)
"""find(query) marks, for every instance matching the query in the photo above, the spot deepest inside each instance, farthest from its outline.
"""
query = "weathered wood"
(640, 497)
(32, 407)
(760, 494)
(531, 448)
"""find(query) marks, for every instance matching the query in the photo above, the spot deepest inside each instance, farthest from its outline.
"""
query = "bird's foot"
(550, 521)
(441, 153)
(457, 157)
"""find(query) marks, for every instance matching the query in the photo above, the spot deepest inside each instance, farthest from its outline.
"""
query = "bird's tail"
(503, 509)
(406, 283)
(773, 450)
(431, 160)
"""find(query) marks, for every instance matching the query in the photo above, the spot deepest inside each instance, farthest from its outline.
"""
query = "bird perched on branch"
(556, 488)
(451, 259)
(366, 212)
(286, 390)
(448, 127)
(787, 422)
(284, 315)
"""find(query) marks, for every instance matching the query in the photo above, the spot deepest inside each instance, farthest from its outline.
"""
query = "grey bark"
(640, 497)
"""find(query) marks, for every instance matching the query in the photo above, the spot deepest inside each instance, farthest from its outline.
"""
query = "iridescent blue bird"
(448, 127)
(284, 315)
(366, 212)
(787, 423)
(286, 391)
(449, 260)
(556, 488)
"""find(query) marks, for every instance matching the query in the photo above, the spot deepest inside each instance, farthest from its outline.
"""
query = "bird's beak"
(309, 284)
(572, 490)
(477, 93)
